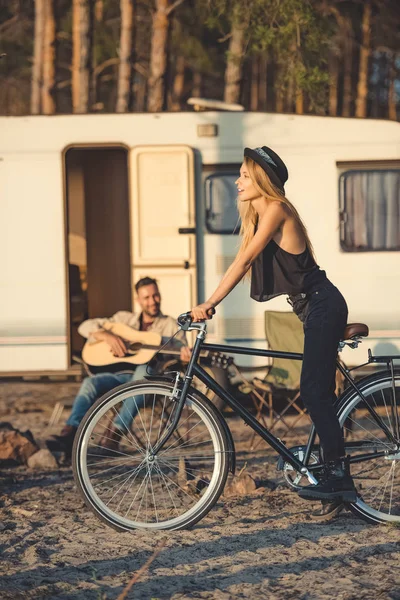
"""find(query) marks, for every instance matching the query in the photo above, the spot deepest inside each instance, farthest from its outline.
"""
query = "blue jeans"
(98, 385)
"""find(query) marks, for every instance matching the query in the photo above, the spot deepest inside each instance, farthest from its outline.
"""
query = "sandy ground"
(262, 545)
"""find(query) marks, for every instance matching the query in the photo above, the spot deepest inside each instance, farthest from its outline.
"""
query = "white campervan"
(91, 203)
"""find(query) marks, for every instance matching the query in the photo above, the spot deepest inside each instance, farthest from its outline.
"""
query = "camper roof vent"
(208, 104)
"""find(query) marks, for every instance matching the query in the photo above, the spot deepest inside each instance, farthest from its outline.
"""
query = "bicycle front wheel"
(375, 455)
(130, 489)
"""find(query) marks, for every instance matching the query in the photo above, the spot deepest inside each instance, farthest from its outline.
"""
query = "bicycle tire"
(377, 480)
(211, 423)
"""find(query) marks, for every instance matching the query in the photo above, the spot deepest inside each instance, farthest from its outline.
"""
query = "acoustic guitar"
(141, 347)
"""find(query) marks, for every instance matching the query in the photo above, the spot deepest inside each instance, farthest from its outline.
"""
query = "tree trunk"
(49, 38)
(362, 86)
(81, 48)
(299, 102)
(254, 83)
(37, 56)
(125, 54)
(233, 70)
(333, 66)
(347, 68)
(178, 84)
(197, 84)
(263, 82)
(158, 57)
(139, 89)
(290, 94)
(279, 92)
(392, 94)
(99, 10)
(347, 78)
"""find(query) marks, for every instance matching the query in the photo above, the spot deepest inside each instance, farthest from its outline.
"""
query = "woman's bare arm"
(267, 227)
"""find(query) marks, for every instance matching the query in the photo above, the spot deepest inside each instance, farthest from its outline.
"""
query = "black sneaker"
(336, 484)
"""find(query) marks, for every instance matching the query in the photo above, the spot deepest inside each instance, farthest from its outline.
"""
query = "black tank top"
(276, 272)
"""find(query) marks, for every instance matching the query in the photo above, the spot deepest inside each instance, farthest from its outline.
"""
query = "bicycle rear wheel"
(377, 479)
(128, 488)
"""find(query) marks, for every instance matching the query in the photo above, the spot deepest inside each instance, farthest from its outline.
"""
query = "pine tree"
(81, 54)
(125, 56)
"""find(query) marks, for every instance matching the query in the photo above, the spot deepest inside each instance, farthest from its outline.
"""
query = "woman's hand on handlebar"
(202, 312)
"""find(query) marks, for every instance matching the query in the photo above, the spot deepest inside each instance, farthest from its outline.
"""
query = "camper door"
(163, 239)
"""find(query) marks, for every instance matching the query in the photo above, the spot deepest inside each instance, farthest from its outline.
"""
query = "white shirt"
(163, 324)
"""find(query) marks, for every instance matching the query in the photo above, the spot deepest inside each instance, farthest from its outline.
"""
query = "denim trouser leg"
(323, 328)
(91, 389)
(131, 406)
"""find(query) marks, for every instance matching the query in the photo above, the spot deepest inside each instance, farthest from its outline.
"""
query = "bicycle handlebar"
(186, 319)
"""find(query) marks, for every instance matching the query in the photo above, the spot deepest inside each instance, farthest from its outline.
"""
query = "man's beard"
(155, 313)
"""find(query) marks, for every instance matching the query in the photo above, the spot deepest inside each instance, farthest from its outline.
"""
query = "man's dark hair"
(145, 281)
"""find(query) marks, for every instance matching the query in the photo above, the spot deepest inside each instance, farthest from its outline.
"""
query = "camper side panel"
(33, 316)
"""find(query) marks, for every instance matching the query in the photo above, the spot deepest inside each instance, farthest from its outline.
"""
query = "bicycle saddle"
(355, 329)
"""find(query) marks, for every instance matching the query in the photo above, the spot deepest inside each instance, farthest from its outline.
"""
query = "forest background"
(339, 57)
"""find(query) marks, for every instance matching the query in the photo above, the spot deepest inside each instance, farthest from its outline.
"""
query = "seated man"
(149, 319)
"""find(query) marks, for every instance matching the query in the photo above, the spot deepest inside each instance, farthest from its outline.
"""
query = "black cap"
(271, 163)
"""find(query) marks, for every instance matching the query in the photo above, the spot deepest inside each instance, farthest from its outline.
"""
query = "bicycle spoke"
(128, 438)
(372, 435)
(189, 470)
(184, 445)
(140, 487)
(161, 419)
(136, 471)
(178, 486)
(167, 487)
(391, 488)
(386, 484)
(152, 415)
(387, 412)
(98, 485)
(154, 499)
(113, 451)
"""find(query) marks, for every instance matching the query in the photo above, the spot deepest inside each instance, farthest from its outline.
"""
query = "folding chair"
(284, 331)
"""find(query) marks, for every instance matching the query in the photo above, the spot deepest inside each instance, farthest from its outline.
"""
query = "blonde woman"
(277, 254)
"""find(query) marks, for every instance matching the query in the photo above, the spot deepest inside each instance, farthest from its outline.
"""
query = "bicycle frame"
(194, 369)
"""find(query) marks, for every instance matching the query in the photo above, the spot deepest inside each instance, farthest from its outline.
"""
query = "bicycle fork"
(180, 396)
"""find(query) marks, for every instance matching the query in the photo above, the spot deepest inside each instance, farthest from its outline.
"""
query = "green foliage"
(187, 37)
(16, 43)
(292, 31)
(194, 38)
(296, 36)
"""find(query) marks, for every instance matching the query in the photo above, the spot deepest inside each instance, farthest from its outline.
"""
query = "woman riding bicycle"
(277, 252)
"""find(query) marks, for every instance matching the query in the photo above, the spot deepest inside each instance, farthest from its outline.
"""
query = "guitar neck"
(174, 352)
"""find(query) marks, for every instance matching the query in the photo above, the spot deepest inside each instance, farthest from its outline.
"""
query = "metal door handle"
(186, 230)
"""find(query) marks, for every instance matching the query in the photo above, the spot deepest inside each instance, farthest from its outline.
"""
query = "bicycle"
(173, 463)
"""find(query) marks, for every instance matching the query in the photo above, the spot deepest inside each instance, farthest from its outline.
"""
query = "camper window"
(221, 212)
(370, 210)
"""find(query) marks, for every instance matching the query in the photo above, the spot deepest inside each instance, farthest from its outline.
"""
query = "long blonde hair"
(248, 214)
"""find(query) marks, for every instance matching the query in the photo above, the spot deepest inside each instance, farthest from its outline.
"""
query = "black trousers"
(324, 322)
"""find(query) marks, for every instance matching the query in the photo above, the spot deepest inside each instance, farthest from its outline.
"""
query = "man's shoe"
(329, 510)
(336, 484)
(110, 441)
(64, 441)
